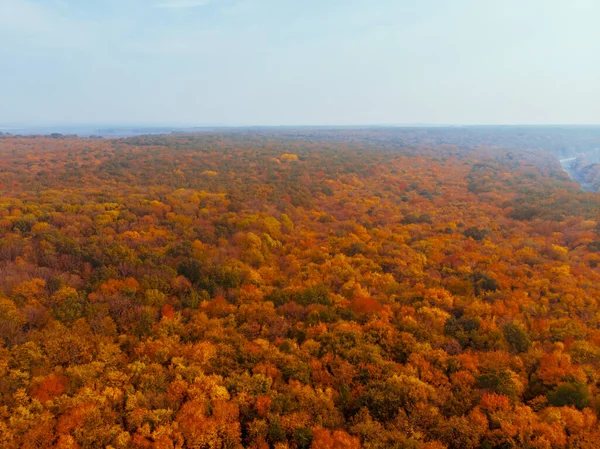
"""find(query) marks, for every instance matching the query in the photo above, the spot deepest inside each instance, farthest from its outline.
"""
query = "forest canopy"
(295, 290)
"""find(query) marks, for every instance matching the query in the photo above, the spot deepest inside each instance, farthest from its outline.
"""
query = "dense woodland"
(586, 169)
(295, 290)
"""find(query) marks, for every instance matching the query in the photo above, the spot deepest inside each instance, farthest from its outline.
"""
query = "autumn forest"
(297, 289)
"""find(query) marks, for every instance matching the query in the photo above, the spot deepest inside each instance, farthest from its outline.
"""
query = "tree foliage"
(295, 289)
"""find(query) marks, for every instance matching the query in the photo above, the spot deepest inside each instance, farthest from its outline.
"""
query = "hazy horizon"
(195, 63)
(124, 125)
(301, 125)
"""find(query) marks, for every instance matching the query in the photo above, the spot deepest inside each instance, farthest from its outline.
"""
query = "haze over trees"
(420, 289)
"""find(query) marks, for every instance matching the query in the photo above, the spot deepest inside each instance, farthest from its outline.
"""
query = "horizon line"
(24, 126)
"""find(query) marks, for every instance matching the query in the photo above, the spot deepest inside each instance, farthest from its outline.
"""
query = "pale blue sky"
(284, 62)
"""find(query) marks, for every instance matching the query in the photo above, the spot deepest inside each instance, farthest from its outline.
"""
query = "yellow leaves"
(219, 392)
(349, 287)
(258, 277)
(40, 228)
(109, 216)
(433, 317)
(114, 395)
(381, 282)
(253, 241)
(30, 289)
(528, 431)
(154, 297)
(315, 402)
(123, 440)
(9, 315)
(560, 250)
(81, 374)
(288, 157)
(439, 297)
(202, 353)
(247, 221)
(561, 271)
(527, 255)
(209, 173)
(158, 207)
(117, 378)
(111, 206)
(272, 227)
(312, 347)
(270, 242)
(478, 309)
(489, 246)
(584, 351)
(208, 387)
(287, 222)
(412, 388)
(64, 294)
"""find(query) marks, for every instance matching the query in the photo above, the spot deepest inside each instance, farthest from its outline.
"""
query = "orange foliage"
(336, 439)
(50, 388)
(296, 289)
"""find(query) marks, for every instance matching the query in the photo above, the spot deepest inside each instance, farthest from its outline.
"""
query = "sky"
(299, 62)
